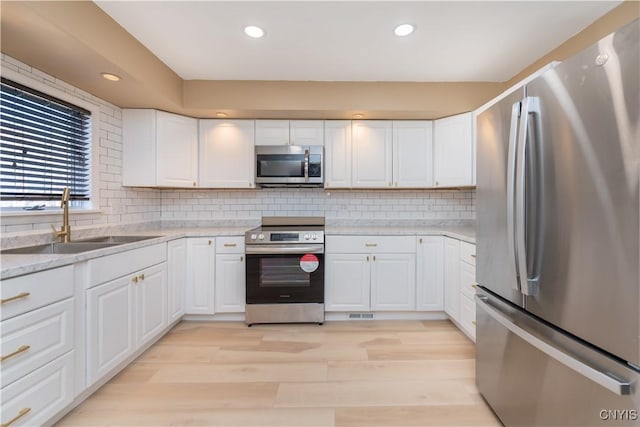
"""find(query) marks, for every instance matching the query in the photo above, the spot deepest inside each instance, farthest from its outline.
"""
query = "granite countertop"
(16, 265)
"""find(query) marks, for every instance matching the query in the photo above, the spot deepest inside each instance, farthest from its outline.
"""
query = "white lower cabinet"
(459, 274)
(451, 277)
(230, 275)
(176, 278)
(35, 398)
(347, 282)
(393, 282)
(201, 254)
(381, 279)
(430, 274)
(151, 303)
(123, 315)
(110, 326)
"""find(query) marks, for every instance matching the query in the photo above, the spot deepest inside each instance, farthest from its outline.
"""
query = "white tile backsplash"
(122, 205)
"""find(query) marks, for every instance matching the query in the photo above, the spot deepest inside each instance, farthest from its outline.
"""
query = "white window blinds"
(45, 145)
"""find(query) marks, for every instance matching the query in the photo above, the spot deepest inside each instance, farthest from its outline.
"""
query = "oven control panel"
(266, 237)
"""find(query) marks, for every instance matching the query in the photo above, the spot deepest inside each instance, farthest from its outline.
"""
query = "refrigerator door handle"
(527, 286)
(621, 388)
(511, 177)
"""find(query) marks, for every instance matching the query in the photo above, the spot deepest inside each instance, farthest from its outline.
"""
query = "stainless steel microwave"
(289, 166)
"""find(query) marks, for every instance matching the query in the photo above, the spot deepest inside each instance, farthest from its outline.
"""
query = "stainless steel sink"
(116, 239)
(58, 248)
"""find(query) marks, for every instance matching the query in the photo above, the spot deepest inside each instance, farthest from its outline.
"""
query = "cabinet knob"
(141, 277)
(420, 240)
(194, 183)
(473, 321)
(390, 184)
(437, 183)
(374, 257)
(209, 242)
(396, 183)
(241, 258)
(135, 279)
(367, 257)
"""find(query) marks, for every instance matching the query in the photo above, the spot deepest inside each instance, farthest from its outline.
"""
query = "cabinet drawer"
(44, 334)
(467, 278)
(468, 252)
(35, 290)
(111, 267)
(468, 315)
(370, 244)
(230, 245)
(40, 395)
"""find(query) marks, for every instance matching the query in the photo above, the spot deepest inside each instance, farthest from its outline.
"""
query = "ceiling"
(453, 41)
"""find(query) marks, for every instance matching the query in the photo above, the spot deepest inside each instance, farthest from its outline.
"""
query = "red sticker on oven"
(309, 263)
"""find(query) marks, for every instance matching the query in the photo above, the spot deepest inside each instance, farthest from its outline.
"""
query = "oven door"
(285, 274)
(287, 165)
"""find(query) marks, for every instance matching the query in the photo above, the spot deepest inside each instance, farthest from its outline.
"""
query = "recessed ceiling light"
(111, 77)
(221, 114)
(253, 31)
(403, 30)
(358, 116)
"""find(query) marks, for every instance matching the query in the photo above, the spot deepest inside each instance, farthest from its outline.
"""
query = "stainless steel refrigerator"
(558, 232)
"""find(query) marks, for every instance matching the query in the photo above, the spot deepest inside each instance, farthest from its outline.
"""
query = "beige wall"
(75, 41)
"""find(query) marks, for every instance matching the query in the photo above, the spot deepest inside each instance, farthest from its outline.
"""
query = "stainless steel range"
(285, 271)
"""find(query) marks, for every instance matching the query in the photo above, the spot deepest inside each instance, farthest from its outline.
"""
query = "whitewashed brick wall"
(116, 204)
(334, 204)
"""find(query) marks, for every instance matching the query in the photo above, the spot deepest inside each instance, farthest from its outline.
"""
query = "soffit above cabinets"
(353, 40)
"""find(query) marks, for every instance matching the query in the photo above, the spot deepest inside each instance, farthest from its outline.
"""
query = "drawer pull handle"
(229, 245)
(20, 349)
(19, 296)
(473, 255)
(474, 285)
(371, 245)
(22, 413)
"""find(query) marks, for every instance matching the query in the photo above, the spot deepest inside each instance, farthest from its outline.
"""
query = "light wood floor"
(370, 373)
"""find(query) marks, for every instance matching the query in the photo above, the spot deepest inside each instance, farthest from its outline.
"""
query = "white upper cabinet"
(306, 132)
(159, 149)
(337, 153)
(289, 132)
(226, 154)
(453, 151)
(412, 154)
(272, 132)
(372, 151)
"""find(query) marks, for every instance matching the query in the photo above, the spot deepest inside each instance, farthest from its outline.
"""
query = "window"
(45, 146)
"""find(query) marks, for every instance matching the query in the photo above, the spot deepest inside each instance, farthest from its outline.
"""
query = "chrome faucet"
(65, 232)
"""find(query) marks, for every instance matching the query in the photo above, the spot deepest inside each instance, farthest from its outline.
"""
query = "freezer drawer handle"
(621, 388)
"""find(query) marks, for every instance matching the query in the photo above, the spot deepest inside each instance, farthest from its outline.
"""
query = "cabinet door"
(453, 151)
(306, 132)
(337, 153)
(139, 147)
(177, 150)
(176, 278)
(151, 303)
(200, 276)
(393, 282)
(230, 283)
(451, 278)
(110, 326)
(412, 154)
(226, 154)
(372, 150)
(347, 282)
(430, 280)
(272, 132)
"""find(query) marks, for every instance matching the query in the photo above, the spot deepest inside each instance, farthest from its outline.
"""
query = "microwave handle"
(306, 165)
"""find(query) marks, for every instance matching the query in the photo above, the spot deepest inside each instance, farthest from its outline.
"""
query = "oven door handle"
(283, 249)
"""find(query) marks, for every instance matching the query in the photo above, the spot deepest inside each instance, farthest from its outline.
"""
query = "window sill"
(18, 213)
